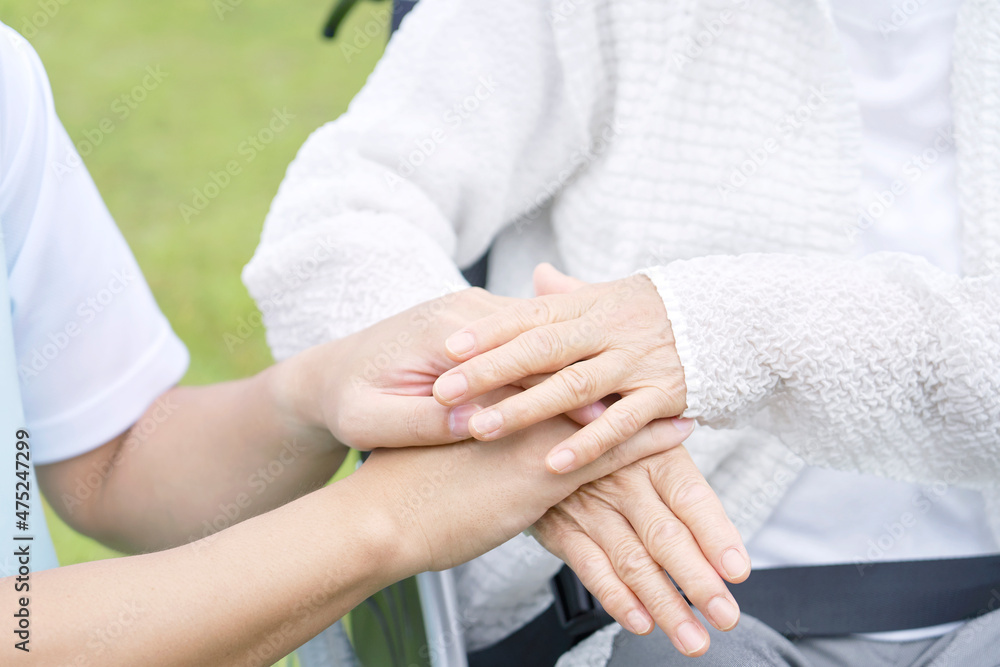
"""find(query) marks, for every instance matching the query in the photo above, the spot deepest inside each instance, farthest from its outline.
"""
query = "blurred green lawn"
(227, 66)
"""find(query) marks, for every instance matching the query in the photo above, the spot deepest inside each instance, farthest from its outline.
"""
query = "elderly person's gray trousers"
(753, 644)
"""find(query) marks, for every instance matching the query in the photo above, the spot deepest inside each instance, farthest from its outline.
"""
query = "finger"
(657, 437)
(645, 577)
(541, 350)
(574, 387)
(587, 413)
(405, 421)
(550, 280)
(581, 416)
(504, 325)
(684, 489)
(619, 422)
(594, 568)
(671, 544)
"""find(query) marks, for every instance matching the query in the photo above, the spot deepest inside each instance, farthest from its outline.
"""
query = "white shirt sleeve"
(93, 349)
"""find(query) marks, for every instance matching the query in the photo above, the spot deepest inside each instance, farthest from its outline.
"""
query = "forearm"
(243, 597)
(199, 460)
(253, 592)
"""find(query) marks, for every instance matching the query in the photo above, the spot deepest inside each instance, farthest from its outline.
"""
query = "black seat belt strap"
(842, 599)
(807, 601)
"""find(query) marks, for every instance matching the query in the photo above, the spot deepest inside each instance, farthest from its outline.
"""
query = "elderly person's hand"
(464, 499)
(598, 340)
(623, 534)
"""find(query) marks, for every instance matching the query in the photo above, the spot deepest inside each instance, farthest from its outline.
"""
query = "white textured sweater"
(714, 143)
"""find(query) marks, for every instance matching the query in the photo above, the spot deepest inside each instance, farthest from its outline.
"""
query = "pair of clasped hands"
(576, 392)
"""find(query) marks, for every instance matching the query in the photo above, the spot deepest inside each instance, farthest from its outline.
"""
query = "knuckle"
(613, 597)
(632, 561)
(416, 425)
(666, 533)
(667, 604)
(544, 341)
(690, 492)
(523, 410)
(577, 381)
(484, 371)
(591, 568)
(700, 590)
(625, 422)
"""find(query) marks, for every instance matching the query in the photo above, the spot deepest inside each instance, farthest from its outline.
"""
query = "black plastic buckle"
(579, 612)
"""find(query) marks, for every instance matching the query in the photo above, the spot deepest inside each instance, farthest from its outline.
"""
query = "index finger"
(504, 325)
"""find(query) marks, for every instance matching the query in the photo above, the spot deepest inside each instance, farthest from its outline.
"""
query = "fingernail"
(562, 459)
(458, 419)
(734, 563)
(683, 425)
(724, 614)
(691, 636)
(596, 410)
(638, 622)
(451, 386)
(487, 422)
(460, 343)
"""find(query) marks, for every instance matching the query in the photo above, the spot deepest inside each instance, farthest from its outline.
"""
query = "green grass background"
(228, 64)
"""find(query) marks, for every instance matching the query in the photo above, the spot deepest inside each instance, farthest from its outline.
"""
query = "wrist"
(392, 525)
(675, 332)
(300, 387)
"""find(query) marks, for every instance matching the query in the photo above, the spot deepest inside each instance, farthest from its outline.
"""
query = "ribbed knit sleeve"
(884, 365)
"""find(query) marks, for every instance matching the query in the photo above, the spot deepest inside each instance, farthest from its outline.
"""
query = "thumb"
(550, 280)
(405, 421)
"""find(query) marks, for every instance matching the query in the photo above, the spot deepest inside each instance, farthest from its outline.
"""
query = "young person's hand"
(623, 534)
(452, 503)
(599, 340)
(373, 388)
